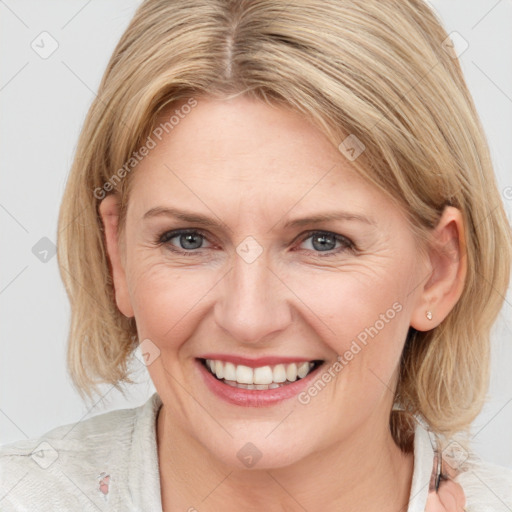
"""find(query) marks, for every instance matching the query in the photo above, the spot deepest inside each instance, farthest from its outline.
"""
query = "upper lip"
(260, 361)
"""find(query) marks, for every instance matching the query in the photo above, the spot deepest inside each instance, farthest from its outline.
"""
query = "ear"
(448, 264)
(109, 211)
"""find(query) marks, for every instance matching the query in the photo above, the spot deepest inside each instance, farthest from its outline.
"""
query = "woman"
(291, 209)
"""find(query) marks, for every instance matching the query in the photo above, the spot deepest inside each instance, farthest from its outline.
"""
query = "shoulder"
(69, 467)
(487, 486)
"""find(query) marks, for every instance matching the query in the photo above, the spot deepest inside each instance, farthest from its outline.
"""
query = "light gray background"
(44, 102)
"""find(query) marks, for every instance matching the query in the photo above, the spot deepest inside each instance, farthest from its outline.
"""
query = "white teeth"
(291, 372)
(263, 377)
(244, 374)
(219, 369)
(229, 371)
(279, 373)
(303, 369)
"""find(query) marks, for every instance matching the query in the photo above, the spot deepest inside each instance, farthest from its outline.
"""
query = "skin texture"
(252, 167)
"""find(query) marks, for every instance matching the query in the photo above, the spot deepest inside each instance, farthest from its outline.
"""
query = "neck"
(365, 472)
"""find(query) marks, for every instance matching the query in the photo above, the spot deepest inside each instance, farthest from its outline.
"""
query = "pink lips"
(253, 397)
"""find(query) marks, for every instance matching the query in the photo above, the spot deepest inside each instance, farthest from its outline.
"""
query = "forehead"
(245, 152)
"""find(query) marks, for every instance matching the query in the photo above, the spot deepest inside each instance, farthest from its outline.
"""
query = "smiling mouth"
(260, 378)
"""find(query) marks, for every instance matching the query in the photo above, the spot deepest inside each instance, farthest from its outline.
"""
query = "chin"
(253, 448)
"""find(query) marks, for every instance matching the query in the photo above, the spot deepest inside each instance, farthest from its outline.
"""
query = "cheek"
(167, 301)
(361, 314)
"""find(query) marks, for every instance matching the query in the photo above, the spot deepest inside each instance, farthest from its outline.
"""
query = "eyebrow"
(196, 218)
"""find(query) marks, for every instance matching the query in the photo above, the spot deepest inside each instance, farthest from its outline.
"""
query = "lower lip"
(254, 397)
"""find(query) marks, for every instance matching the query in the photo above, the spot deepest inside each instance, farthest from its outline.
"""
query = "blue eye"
(323, 243)
(188, 241)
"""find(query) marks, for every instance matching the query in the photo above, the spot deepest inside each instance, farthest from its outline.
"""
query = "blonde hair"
(379, 71)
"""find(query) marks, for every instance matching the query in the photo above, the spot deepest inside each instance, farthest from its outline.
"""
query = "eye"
(188, 241)
(325, 242)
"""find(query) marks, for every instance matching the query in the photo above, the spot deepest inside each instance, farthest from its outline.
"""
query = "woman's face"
(257, 283)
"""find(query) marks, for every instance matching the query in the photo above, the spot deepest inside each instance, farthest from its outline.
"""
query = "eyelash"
(165, 237)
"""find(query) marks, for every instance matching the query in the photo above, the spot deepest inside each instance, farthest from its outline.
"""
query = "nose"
(254, 302)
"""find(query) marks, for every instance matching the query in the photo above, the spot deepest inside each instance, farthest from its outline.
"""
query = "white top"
(109, 463)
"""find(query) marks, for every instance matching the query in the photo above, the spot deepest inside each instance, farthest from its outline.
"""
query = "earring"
(428, 314)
